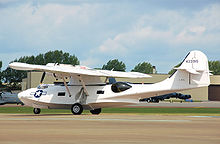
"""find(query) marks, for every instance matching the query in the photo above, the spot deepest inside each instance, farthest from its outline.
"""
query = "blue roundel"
(38, 93)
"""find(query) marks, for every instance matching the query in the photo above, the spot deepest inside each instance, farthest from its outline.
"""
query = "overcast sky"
(161, 32)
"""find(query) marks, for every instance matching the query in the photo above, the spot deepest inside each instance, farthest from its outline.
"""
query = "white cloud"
(202, 28)
(49, 24)
(171, 28)
(123, 42)
(7, 1)
(197, 29)
(190, 35)
(89, 62)
(111, 46)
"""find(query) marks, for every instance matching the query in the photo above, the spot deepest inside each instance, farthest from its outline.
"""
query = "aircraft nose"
(21, 95)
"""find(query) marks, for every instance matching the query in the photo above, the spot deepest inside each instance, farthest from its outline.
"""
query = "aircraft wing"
(68, 70)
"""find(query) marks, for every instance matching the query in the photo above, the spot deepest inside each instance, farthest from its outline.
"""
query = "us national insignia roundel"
(38, 93)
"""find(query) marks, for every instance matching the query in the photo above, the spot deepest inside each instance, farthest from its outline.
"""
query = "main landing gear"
(36, 110)
(77, 109)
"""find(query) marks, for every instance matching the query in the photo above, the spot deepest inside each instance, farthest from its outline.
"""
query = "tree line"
(12, 76)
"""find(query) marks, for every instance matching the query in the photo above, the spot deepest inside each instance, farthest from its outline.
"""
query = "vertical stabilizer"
(192, 73)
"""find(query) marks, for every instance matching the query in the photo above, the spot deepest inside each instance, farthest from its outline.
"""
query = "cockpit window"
(42, 86)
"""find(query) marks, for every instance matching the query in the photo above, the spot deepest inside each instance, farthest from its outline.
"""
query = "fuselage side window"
(100, 92)
(61, 93)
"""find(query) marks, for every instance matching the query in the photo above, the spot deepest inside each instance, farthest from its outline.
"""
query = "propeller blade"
(42, 78)
(55, 76)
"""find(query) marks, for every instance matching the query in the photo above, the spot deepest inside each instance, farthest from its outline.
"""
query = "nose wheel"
(77, 109)
(36, 110)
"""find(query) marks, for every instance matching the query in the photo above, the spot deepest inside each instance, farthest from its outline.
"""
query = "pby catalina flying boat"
(86, 90)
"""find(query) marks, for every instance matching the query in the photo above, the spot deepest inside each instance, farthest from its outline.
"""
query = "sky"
(161, 32)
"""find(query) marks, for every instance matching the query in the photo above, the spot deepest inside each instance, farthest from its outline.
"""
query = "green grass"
(184, 111)
(28, 110)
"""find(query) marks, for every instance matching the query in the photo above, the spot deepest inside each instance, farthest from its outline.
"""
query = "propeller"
(55, 76)
(42, 78)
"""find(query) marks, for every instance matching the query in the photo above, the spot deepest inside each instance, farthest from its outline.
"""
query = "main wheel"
(96, 111)
(36, 110)
(77, 109)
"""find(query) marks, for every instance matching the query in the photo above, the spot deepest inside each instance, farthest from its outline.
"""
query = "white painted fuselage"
(100, 95)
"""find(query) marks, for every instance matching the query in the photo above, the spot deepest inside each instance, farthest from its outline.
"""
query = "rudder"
(196, 64)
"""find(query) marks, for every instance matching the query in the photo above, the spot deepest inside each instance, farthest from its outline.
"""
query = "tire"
(77, 109)
(96, 111)
(36, 110)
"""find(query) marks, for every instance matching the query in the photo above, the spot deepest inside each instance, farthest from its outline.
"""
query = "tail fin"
(192, 73)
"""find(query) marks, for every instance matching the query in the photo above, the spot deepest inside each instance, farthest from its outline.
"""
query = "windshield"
(42, 86)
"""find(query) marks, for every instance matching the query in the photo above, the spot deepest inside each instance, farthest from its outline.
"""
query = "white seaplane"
(86, 91)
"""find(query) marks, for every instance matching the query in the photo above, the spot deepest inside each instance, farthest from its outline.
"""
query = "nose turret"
(25, 94)
(21, 95)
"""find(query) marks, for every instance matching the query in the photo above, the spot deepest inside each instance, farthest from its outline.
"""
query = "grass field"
(185, 111)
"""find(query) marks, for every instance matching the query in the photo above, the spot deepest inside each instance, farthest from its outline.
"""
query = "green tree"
(60, 57)
(173, 70)
(214, 66)
(13, 76)
(39, 59)
(114, 65)
(0, 73)
(0, 65)
(144, 67)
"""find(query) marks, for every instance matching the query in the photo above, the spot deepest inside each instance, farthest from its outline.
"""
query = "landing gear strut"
(36, 110)
(77, 109)
(96, 111)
